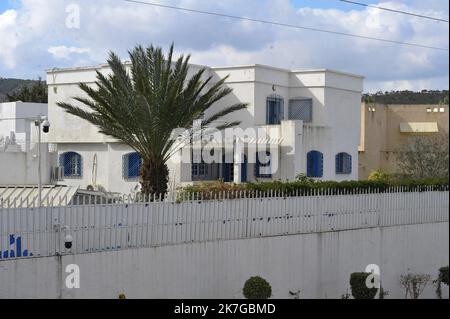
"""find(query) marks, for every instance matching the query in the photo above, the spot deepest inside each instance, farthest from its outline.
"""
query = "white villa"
(312, 120)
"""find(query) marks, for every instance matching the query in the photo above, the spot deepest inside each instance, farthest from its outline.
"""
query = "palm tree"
(142, 107)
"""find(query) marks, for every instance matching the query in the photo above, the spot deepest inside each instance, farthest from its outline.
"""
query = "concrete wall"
(21, 168)
(14, 115)
(381, 136)
(318, 264)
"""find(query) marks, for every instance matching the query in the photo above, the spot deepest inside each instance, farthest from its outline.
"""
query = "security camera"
(45, 126)
(68, 242)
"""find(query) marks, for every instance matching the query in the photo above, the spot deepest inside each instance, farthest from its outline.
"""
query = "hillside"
(8, 86)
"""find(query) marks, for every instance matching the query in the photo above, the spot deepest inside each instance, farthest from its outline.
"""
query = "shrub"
(257, 288)
(379, 175)
(414, 284)
(359, 288)
(303, 186)
(443, 275)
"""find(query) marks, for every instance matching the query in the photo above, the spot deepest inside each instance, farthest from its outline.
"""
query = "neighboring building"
(18, 147)
(311, 116)
(386, 127)
(16, 122)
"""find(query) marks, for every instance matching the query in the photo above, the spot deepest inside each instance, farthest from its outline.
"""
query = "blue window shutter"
(71, 163)
(78, 159)
(343, 163)
(65, 163)
(314, 163)
(274, 109)
(257, 164)
(348, 164)
(244, 170)
(320, 155)
(280, 110)
(339, 163)
(134, 165)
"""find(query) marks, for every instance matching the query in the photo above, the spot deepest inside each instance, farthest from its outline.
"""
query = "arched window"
(274, 109)
(132, 163)
(72, 163)
(263, 165)
(314, 162)
(343, 163)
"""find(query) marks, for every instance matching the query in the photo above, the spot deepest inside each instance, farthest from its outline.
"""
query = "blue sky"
(8, 4)
(34, 36)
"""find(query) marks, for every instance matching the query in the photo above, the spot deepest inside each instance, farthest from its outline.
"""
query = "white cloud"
(63, 52)
(41, 40)
(8, 38)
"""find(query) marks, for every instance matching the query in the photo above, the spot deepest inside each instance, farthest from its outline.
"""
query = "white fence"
(33, 232)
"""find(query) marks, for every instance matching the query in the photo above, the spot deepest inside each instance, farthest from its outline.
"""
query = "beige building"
(386, 127)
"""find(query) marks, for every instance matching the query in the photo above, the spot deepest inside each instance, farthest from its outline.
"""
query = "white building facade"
(311, 121)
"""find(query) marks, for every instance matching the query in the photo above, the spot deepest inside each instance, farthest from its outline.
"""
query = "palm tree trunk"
(155, 176)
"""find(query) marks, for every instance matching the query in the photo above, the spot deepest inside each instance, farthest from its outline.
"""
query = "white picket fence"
(34, 232)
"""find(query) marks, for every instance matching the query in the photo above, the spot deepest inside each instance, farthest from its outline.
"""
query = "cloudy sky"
(36, 35)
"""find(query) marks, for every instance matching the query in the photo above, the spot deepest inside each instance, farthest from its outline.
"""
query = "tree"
(142, 107)
(414, 284)
(424, 156)
(37, 93)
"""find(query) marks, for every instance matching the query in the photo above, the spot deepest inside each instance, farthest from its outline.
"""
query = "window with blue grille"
(274, 109)
(262, 165)
(300, 109)
(132, 164)
(343, 163)
(72, 163)
(314, 163)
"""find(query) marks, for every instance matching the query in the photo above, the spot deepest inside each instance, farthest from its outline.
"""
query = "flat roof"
(230, 67)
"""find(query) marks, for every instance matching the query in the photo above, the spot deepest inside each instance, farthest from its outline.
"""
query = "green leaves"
(36, 93)
(141, 103)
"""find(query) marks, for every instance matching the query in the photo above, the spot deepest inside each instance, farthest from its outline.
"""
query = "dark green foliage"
(443, 275)
(408, 97)
(359, 288)
(8, 86)
(257, 288)
(35, 92)
(303, 187)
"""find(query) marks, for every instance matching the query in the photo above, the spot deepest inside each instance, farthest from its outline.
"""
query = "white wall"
(318, 264)
(106, 173)
(21, 127)
(21, 168)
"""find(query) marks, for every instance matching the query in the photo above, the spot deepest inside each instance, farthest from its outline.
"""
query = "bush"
(359, 287)
(257, 288)
(443, 275)
(304, 186)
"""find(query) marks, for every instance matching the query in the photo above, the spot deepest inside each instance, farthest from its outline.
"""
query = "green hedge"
(211, 190)
(257, 288)
(359, 288)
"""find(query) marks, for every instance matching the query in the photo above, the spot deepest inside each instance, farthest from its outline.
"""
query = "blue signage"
(15, 249)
